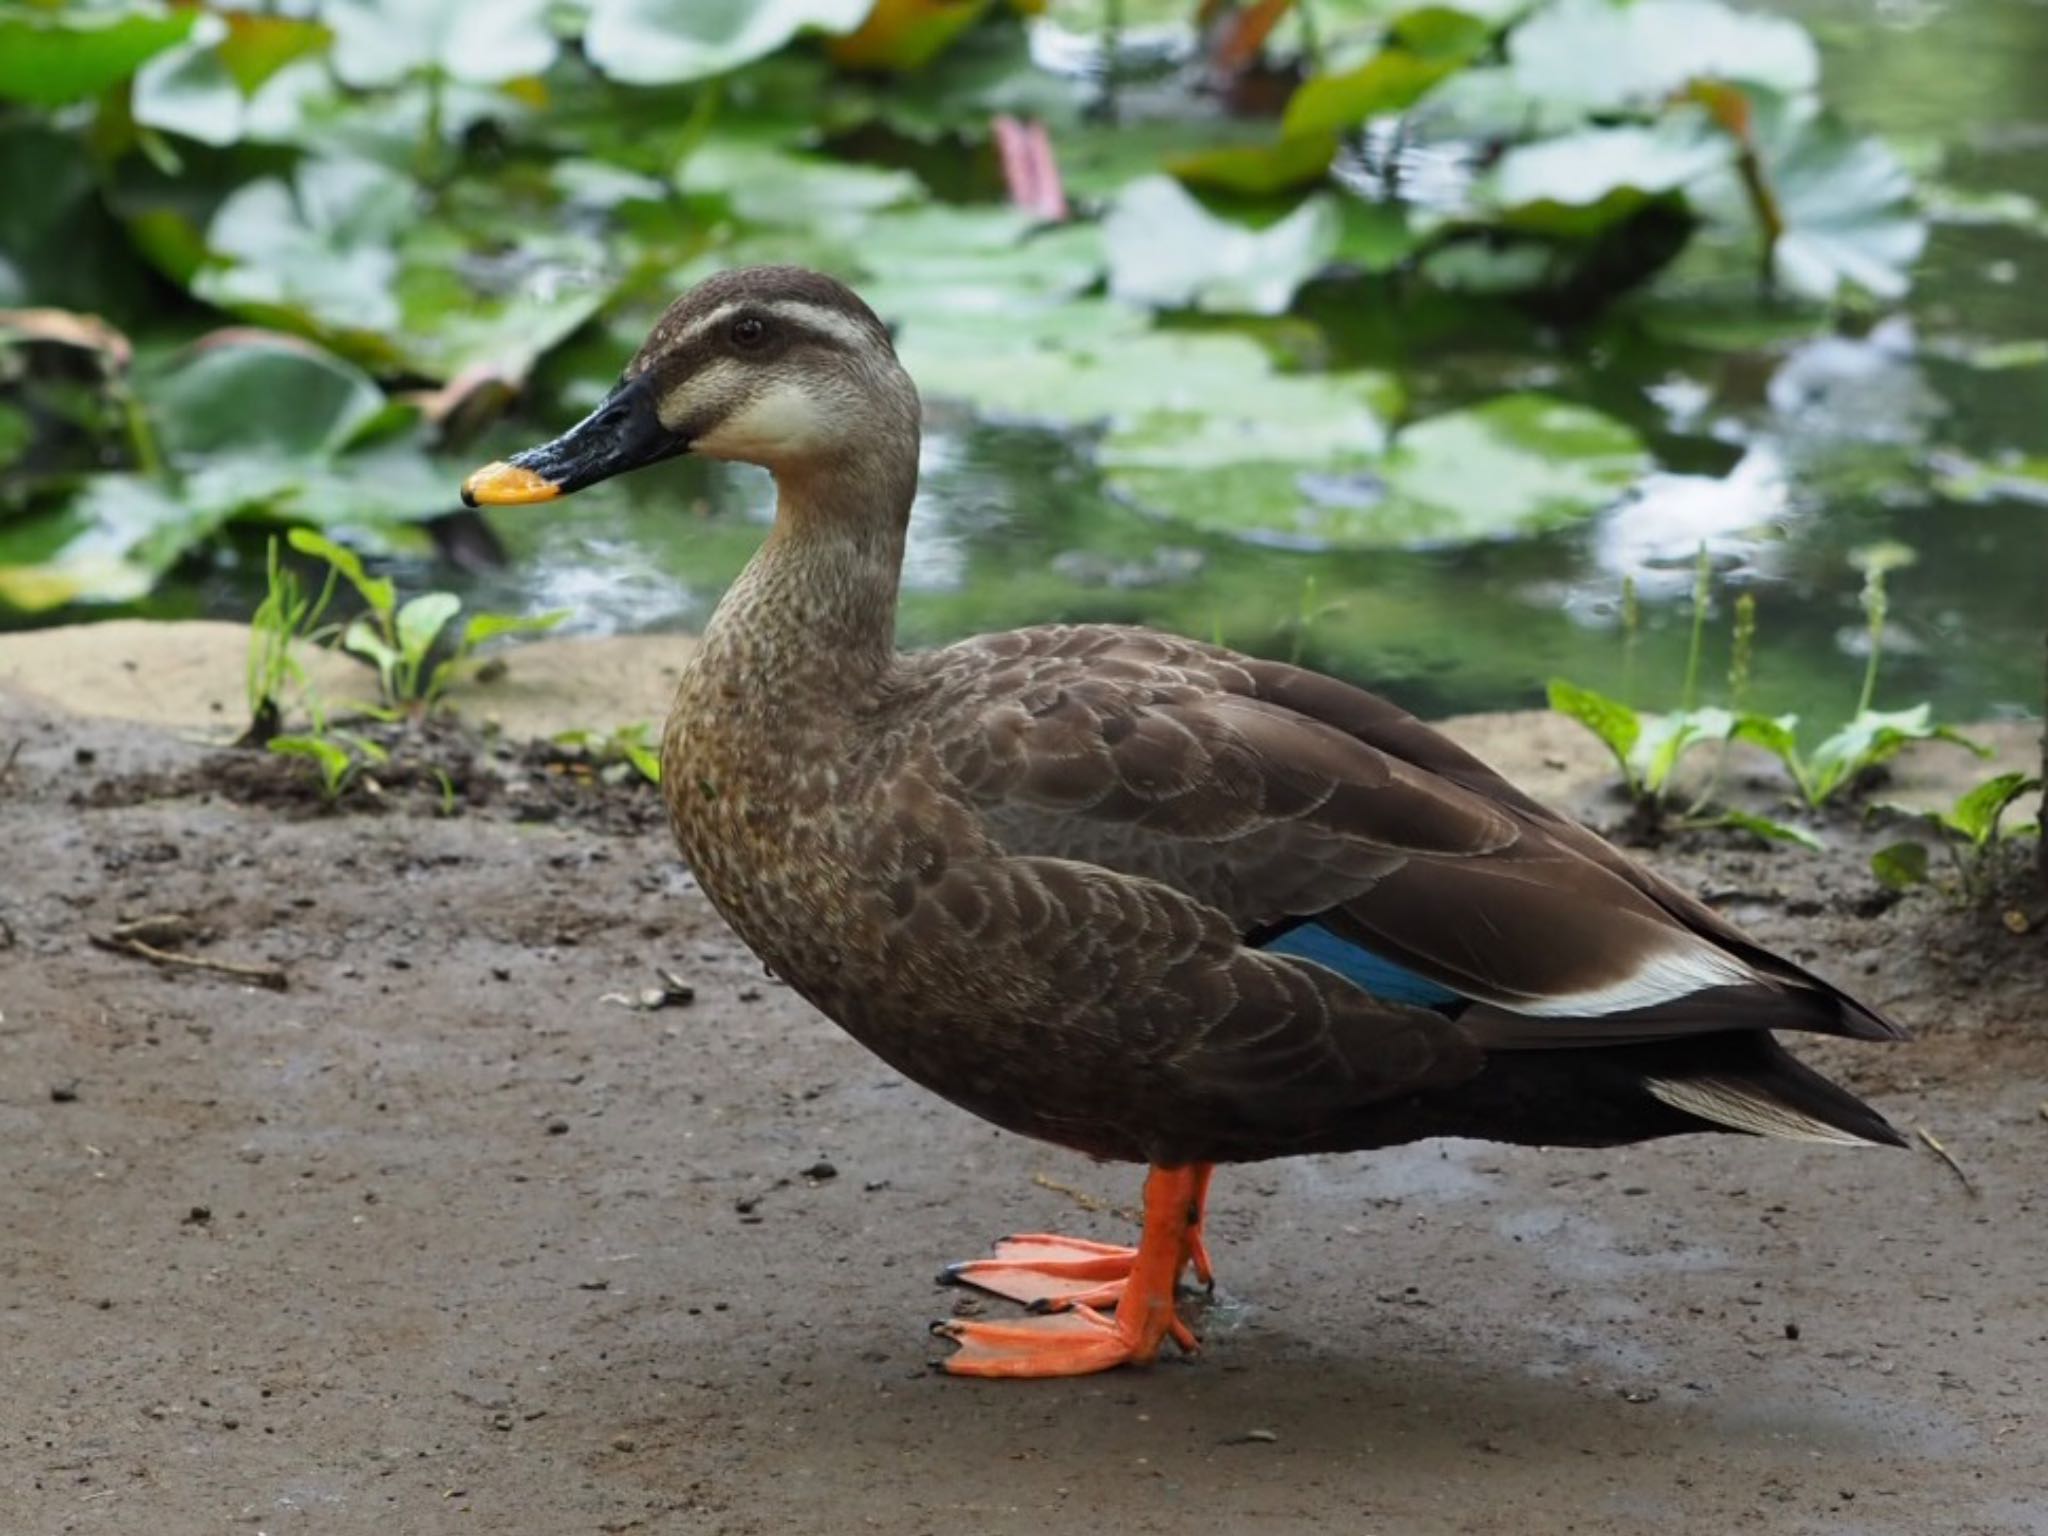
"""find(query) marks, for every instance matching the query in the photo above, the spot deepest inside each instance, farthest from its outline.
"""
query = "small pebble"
(558, 1127)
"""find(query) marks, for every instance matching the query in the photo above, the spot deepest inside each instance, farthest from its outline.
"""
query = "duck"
(1136, 895)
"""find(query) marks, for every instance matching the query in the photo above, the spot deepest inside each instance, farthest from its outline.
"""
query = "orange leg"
(1080, 1339)
(1048, 1273)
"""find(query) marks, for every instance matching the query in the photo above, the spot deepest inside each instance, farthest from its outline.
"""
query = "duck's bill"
(623, 433)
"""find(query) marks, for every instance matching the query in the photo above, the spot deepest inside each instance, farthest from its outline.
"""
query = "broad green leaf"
(1391, 81)
(110, 543)
(16, 433)
(659, 42)
(482, 42)
(1774, 831)
(1516, 464)
(264, 395)
(362, 638)
(1773, 733)
(233, 80)
(421, 620)
(1617, 726)
(1535, 184)
(2013, 478)
(483, 627)
(767, 185)
(1667, 738)
(49, 57)
(1600, 55)
(1258, 169)
(1977, 814)
(1874, 737)
(321, 245)
(1900, 866)
(1845, 201)
(377, 592)
(1169, 252)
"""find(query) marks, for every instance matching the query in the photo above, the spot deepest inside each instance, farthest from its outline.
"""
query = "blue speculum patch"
(1360, 966)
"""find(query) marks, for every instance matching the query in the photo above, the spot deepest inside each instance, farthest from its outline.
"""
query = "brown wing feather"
(1274, 793)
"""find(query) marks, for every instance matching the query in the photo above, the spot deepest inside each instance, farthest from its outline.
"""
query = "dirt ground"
(451, 1235)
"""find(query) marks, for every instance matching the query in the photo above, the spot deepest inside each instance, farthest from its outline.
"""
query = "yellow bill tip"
(507, 485)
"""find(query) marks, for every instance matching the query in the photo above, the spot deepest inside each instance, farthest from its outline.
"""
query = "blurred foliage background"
(1388, 335)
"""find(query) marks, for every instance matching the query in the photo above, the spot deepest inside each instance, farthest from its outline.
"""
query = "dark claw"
(950, 1275)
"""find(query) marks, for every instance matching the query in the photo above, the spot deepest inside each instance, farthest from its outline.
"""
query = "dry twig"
(260, 975)
(1934, 1145)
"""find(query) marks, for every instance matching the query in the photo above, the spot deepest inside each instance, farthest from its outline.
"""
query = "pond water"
(1783, 458)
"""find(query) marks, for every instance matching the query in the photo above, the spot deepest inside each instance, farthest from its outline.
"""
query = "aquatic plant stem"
(1874, 606)
(1701, 572)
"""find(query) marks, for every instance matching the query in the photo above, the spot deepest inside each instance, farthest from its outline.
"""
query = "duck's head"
(776, 366)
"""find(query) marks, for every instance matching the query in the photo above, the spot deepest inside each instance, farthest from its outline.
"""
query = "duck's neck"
(814, 612)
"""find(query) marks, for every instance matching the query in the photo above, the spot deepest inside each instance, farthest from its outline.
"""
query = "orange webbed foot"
(1071, 1282)
(1076, 1342)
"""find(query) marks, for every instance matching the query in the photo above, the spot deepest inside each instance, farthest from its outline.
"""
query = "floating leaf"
(319, 246)
(1599, 55)
(1845, 203)
(49, 57)
(658, 42)
(1517, 464)
(1546, 185)
(1167, 251)
(267, 395)
(905, 34)
(767, 185)
(232, 80)
(112, 542)
(482, 42)
(1257, 169)
(1392, 80)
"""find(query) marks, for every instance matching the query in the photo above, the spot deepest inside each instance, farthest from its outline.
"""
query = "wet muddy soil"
(455, 1233)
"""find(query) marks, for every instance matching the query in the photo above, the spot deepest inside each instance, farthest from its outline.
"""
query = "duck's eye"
(748, 331)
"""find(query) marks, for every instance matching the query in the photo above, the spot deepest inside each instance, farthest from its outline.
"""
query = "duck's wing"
(1302, 806)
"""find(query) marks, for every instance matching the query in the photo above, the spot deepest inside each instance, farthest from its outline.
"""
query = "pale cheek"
(780, 422)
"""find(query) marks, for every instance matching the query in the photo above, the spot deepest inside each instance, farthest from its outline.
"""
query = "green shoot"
(1973, 832)
(338, 755)
(627, 746)
(285, 616)
(411, 644)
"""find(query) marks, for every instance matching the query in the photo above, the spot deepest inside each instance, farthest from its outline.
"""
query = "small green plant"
(286, 616)
(1649, 747)
(627, 746)
(339, 755)
(405, 641)
(1871, 736)
(1973, 831)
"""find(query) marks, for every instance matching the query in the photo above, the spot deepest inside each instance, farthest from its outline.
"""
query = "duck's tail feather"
(1772, 1094)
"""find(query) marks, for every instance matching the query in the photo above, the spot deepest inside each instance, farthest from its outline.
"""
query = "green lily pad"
(1516, 465)
(659, 42)
(1601, 55)
(766, 185)
(1846, 203)
(278, 396)
(1167, 251)
(111, 542)
(1583, 180)
(220, 87)
(1392, 80)
(482, 42)
(49, 57)
(320, 246)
